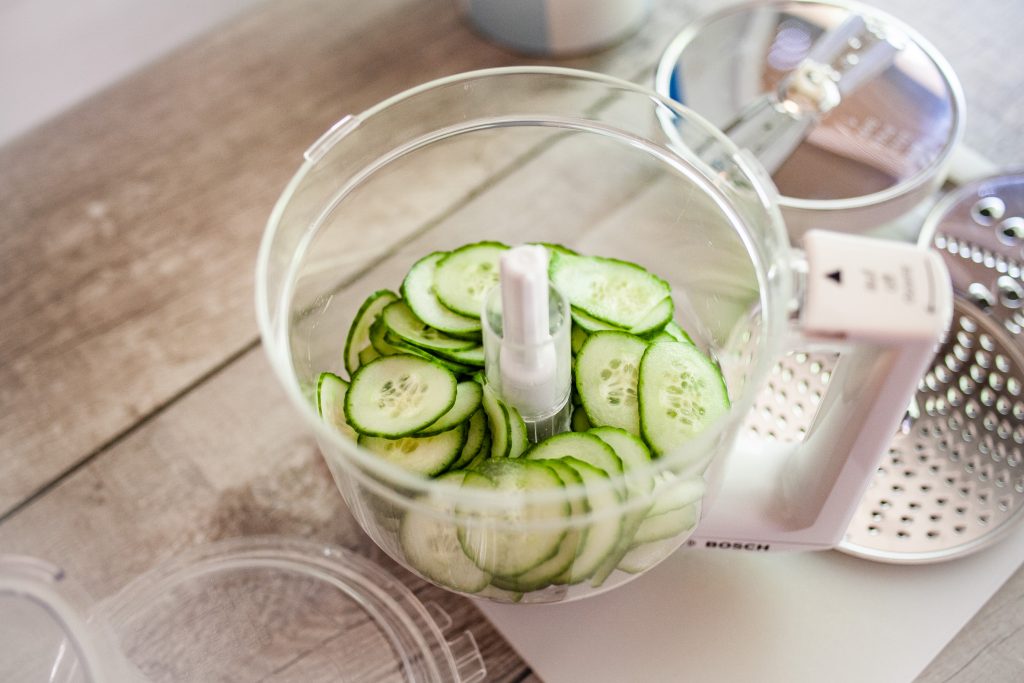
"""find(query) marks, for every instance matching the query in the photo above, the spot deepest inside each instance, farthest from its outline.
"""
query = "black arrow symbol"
(836, 275)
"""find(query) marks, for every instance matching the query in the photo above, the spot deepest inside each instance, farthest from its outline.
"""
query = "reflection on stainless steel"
(869, 159)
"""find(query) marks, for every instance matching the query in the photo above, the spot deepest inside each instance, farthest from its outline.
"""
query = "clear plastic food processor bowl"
(523, 155)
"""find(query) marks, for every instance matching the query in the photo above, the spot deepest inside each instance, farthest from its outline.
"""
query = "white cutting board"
(736, 616)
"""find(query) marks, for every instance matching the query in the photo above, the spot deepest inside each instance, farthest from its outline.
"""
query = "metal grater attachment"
(952, 481)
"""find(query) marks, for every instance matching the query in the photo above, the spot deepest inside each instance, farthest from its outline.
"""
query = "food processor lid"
(250, 609)
(842, 103)
(44, 632)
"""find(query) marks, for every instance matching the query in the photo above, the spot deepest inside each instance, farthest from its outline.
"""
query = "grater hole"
(960, 510)
(907, 519)
(968, 324)
(983, 519)
(932, 534)
(1003, 504)
(897, 489)
(934, 517)
(873, 530)
(959, 529)
(914, 505)
(884, 504)
(941, 501)
(908, 473)
(902, 534)
(925, 488)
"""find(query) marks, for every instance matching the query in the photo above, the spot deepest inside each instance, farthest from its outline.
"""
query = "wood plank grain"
(131, 224)
(212, 467)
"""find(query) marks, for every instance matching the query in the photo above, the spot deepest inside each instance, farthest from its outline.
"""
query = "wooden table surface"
(138, 415)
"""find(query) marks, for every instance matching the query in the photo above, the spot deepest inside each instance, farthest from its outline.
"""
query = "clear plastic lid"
(268, 609)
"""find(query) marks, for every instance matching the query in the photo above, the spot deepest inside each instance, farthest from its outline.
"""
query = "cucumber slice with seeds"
(464, 276)
(398, 395)
(681, 392)
(426, 455)
(607, 369)
(467, 401)
(418, 290)
(330, 402)
(615, 292)
(431, 544)
(359, 333)
(404, 324)
(521, 535)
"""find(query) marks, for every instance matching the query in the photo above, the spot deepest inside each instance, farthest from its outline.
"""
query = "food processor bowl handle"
(886, 305)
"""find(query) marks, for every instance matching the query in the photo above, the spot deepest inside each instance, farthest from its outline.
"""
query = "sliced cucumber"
(555, 568)
(576, 338)
(382, 345)
(492, 592)
(398, 345)
(399, 395)
(681, 392)
(656, 319)
(667, 524)
(582, 446)
(482, 455)
(368, 354)
(498, 423)
(642, 557)
(603, 533)
(677, 333)
(472, 356)
(330, 402)
(418, 290)
(615, 292)
(426, 455)
(607, 369)
(639, 483)
(503, 541)
(634, 455)
(431, 544)
(590, 324)
(519, 441)
(464, 276)
(404, 324)
(476, 431)
(467, 401)
(672, 493)
(552, 247)
(580, 422)
(359, 333)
